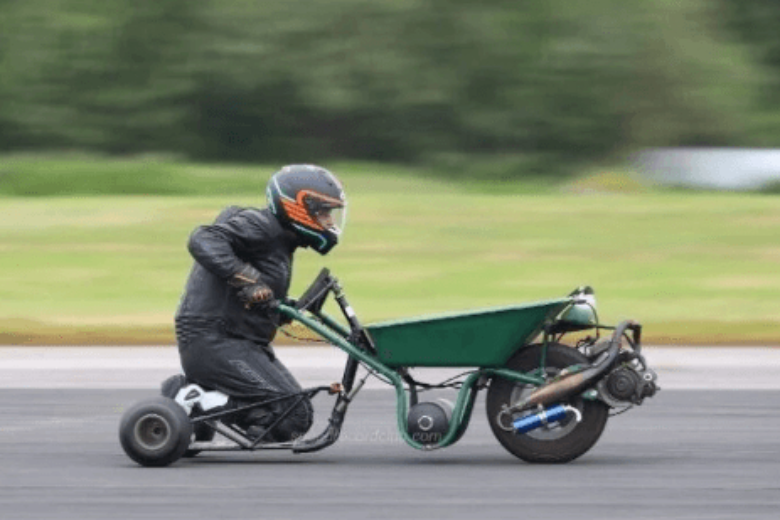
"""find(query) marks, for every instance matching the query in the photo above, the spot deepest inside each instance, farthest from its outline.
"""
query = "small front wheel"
(560, 442)
(155, 432)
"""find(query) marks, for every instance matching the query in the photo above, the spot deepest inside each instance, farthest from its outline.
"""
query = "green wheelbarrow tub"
(480, 338)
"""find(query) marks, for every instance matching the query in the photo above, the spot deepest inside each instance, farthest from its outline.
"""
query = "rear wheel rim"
(552, 431)
(152, 431)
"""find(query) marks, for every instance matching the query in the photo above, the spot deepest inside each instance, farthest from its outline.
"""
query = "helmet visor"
(333, 219)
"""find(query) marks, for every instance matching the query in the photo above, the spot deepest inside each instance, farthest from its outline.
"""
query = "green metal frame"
(337, 335)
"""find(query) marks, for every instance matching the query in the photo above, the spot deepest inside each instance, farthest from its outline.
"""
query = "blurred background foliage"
(125, 123)
(497, 87)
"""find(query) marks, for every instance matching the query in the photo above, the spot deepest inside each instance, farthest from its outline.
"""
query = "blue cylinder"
(532, 422)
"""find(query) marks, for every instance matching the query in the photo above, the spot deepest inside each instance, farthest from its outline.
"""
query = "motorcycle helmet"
(311, 202)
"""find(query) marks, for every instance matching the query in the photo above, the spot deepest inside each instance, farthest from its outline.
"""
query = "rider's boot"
(255, 432)
(171, 386)
(255, 423)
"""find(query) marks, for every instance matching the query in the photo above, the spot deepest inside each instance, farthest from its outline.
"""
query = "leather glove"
(251, 290)
(255, 294)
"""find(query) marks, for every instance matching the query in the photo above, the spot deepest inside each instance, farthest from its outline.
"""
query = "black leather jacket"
(238, 236)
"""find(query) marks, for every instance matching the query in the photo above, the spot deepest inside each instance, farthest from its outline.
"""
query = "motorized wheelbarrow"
(546, 401)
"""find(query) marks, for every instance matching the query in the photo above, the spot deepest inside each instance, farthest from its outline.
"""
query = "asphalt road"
(684, 454)
(699, 368)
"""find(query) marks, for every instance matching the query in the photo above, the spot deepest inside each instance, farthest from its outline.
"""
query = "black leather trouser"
(244, 370)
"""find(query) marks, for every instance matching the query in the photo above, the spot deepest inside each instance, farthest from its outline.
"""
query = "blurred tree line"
(529, 86)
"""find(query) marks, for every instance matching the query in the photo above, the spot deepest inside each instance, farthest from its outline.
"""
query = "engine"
(629, 383)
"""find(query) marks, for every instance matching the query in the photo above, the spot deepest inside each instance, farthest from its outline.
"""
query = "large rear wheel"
(558, 442)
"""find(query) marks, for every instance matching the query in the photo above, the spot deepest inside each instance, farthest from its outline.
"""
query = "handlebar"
(314, 297)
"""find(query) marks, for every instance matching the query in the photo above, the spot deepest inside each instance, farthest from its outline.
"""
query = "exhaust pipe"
(550, 415)
(567, 384)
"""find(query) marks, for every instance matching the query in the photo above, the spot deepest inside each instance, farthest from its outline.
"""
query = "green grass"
(694, 267)
(90, 175)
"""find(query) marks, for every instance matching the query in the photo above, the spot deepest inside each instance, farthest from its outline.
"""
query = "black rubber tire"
(155, 432)
(533, 447)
